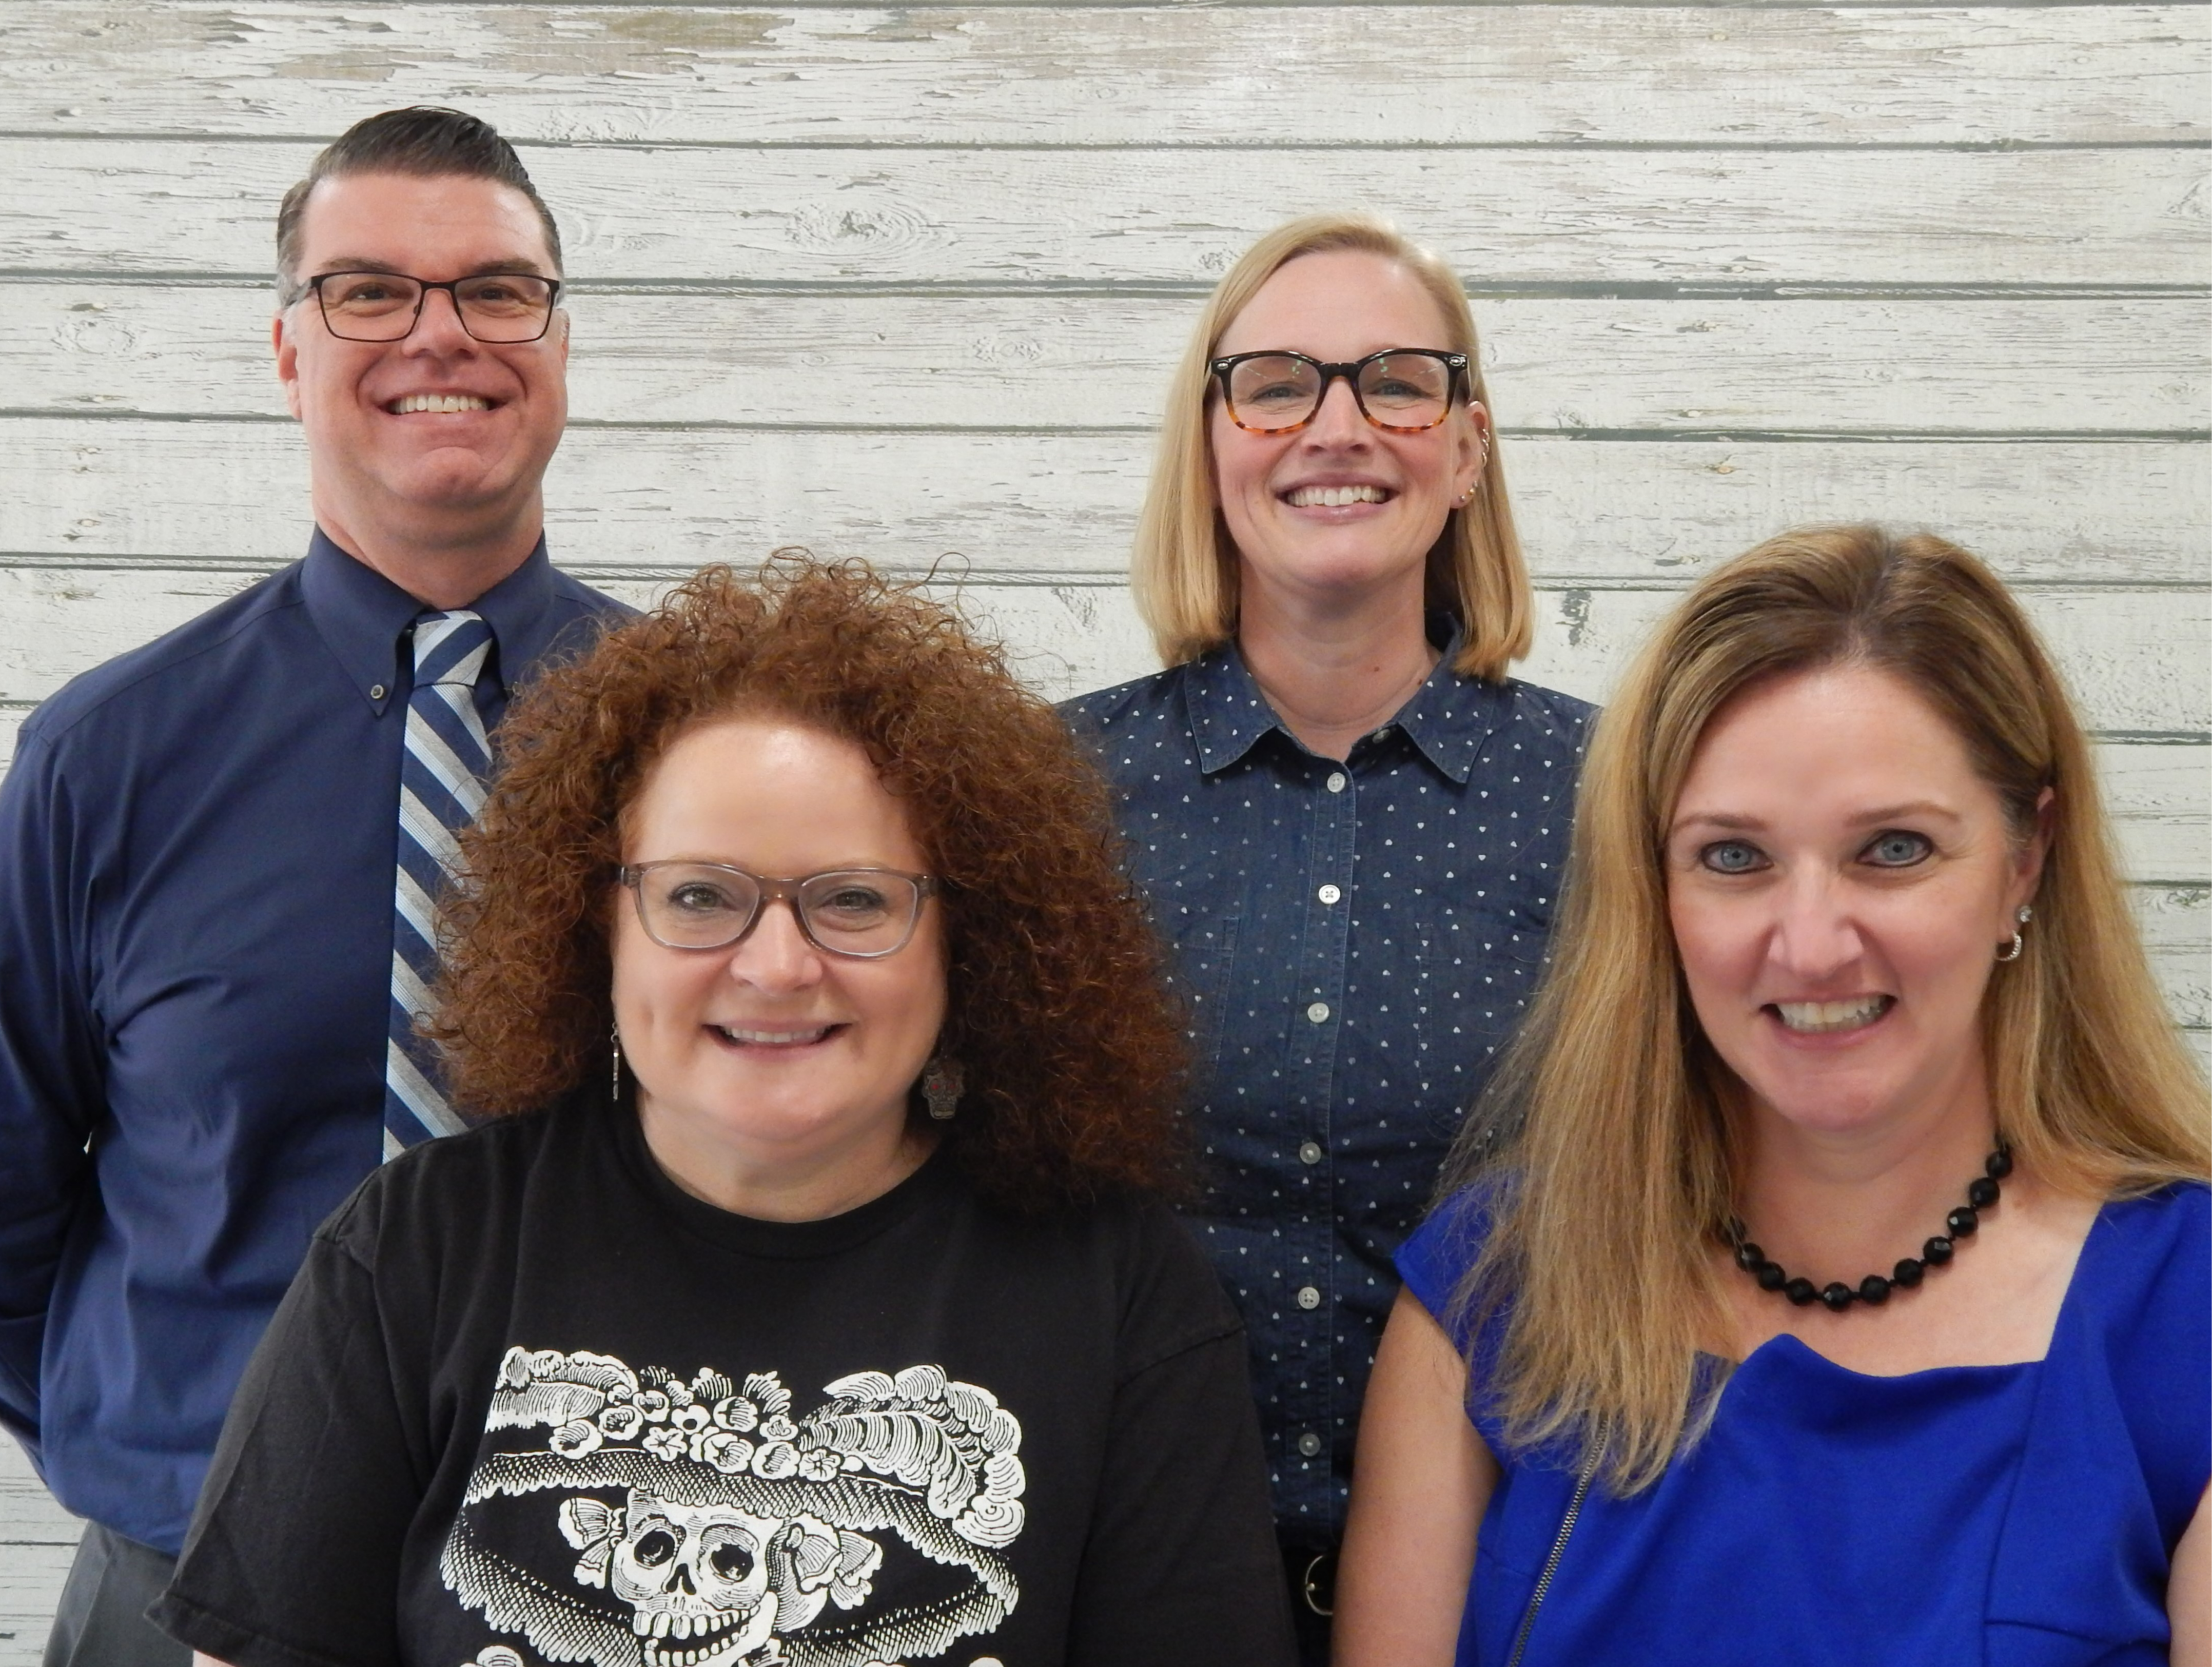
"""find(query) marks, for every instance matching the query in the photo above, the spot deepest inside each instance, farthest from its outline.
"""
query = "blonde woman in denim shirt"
(1347, 817)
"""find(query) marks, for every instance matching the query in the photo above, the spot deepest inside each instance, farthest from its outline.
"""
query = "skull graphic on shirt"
(711, 1586)
(719, 1526)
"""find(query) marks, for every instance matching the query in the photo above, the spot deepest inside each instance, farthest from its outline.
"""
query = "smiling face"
(771, 1048)
(1340, 507)
(1839, 880)
(438, 425)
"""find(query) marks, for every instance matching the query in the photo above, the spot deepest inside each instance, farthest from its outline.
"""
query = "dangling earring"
(2011, 951)
(614, 1075)
(941, 1082)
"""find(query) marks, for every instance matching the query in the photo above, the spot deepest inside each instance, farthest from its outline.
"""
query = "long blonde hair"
(1606, 1216)
(1184, 570)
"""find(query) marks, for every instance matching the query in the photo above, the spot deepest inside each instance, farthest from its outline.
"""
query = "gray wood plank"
(29, 1515)
(89, 491)
(2100, 216)
(1032, 360)
(2135, 658)
(1489, 75)
(31, 1578)
(37, 1539)
(2159, 798)
(2177, 926)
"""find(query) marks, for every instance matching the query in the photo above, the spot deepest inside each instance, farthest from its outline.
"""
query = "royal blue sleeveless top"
(2015, 1516)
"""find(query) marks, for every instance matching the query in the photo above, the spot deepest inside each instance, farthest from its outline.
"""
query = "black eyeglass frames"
(1403, 390)
(506, 307)
(863, 913)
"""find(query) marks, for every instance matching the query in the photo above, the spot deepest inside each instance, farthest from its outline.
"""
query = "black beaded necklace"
(1982, 1192)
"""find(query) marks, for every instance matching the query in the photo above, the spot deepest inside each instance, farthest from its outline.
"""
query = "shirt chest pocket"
(1202, 959)
(1198, 910)
(1478, 947)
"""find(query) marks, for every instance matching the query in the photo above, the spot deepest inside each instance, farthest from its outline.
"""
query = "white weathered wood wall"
(905, 283)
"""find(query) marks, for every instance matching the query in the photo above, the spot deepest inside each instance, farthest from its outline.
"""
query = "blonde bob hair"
(1184, 569)
(1608, 1213)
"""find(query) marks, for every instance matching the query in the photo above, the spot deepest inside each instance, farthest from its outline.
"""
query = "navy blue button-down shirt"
(196, 851)
(1356, 940)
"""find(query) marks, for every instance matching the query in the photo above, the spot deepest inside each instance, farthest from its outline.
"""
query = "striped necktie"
(441, 774)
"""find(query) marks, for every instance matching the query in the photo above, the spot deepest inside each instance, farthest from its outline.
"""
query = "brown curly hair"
(1056, 1005)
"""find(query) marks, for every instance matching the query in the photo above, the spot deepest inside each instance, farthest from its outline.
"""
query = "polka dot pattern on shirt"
(1354, 941)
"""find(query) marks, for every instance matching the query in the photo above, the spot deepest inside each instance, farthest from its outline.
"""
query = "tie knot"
(450, 647)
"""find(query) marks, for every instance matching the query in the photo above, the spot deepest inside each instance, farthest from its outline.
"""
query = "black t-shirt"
(528, 1402)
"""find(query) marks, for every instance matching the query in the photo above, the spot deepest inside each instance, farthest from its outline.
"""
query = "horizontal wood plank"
(1027, 360)
(31, 1514)
(38, 1539)
(2177, 928)
(90, 491)
(31, 1579)
(1072, 74)
(2159, 798)
(2135, 659)
(1065, 638)
(2104, 217)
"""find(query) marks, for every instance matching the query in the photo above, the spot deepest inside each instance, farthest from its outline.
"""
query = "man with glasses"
(220, 854)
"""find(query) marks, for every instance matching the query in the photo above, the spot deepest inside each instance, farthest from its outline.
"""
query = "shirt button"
(1318, 1013)
(1309, 1445)
(1310, 1153)
(1335, 782)
(376, 691)
(1308, 1297)
(1329, 893)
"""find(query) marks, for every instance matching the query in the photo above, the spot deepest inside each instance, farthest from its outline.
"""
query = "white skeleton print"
(712, 1585)
(726, 1530)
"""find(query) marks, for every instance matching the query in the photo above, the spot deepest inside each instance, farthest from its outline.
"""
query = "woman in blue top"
(1848, 1298)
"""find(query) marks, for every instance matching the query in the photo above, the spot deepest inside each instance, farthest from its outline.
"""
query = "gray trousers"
(102, 1620)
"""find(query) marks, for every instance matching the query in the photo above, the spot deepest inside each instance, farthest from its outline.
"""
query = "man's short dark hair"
(424, 140)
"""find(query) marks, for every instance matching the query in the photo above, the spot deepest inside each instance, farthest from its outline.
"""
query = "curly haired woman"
(803, 1299)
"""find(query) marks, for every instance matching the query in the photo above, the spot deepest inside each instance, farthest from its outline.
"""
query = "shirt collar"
(1451, 716)
(1228, 713)
(364, 617)
(1447, 718)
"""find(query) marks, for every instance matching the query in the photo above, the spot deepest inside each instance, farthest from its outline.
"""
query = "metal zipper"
(1558, 1548)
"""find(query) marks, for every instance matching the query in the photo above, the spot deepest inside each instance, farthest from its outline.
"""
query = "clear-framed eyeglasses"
(506, 307)
(1404, 390)
(863, 913)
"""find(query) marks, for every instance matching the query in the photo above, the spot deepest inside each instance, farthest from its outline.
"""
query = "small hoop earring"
(941, 1083)
(2010, 952)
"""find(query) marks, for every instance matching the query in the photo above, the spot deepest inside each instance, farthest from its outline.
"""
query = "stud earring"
(2011, 951)
(941, 1083)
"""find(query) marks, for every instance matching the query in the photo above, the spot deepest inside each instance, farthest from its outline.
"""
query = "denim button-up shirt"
(1354, 941)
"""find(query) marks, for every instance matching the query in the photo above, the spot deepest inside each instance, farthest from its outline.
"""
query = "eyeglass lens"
(854, 912)
(1275, 391)
(382, 307)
